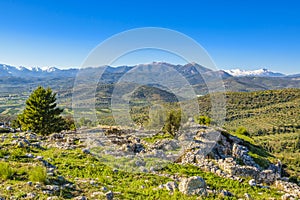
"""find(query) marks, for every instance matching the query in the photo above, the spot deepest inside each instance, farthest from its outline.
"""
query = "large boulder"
(194, 185)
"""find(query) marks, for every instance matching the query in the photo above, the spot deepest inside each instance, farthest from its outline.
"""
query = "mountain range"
(198, 76)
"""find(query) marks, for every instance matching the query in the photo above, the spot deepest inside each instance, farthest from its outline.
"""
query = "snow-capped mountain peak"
(259, 72)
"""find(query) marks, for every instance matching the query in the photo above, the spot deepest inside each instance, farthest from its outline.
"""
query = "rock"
(193, 186)
(139, 163)
(38, 186)
(48, 192)
(27, 142)
(225, 193)
(109, 195)
(287, 197)
(288, 187)
(137, 148)
(30, 195)
(171, 186)
(20, 144)
(95, 194)
(61, 179)
(143, 169)
(248, 196)
(86, 151)
(31, 136)
(252, 182)
(267, 176)
(29, 155)
(53, 198)
(52, 187)
(8, 188)
(80, 198)
(104, 188)
(39, 158)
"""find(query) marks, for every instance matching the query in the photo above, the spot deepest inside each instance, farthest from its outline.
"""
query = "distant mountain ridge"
(259, 73)
(11, 71)
(8, 70)
(16, 78)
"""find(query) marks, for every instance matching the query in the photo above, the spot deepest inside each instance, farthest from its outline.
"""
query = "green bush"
(38, 174)
(242, 131)
(6, 172)
(172, 123)
(203, 120)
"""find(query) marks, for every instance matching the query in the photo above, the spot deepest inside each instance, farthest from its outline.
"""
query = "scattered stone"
(252, 182)
(287, 197)
(93, 182)
(95, 194)
(225, 193)
(143, 169)
(80, 198)
(30, 195)
(288, 187)
(8, 188)
(48, 192)
(109, 195)
(29, 155)
(139, 163)
(52, 187)
(53, 198)
(39, 158)
(248, 196)
(104, 188)
(27, 142)
(171, 186)
(38, 186)
(267, 176)
(86, 151)
(61, 179)
(20, 144)
(193, 186)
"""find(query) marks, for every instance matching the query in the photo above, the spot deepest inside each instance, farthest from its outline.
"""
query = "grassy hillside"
(272, 119)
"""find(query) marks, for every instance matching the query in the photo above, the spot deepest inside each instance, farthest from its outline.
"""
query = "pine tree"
(41, 114)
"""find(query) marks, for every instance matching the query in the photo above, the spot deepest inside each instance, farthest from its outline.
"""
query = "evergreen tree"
(172, 123)
(41, 114)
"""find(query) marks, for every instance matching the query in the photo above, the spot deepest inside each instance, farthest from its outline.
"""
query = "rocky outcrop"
(241, 152)
(193, 186)
(291, 188)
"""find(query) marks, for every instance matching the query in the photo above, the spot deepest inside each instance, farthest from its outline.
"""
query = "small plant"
(203, 120)
(6, 172)
(38, 174)
(242, 131)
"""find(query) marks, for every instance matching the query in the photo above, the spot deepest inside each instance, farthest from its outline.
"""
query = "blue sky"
(237, 34)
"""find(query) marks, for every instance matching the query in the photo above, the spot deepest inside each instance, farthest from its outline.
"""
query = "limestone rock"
(109, 195)
(193, 186)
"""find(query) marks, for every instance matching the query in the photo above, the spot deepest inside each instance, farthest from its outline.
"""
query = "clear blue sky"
(237, 34)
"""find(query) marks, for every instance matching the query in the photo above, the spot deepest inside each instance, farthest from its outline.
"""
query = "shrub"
(242, 131)
(6, 172)
(203, 120)
(172, 123)
(38, 174)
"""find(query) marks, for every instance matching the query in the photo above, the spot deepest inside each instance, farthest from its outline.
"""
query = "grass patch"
(38, 174)
(6, 172)
(158, 137)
